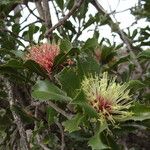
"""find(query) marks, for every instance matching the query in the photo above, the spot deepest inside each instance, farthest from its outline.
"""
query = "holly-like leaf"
(107, 54)
(145, 54)
(80, 100)
(45, 90)
(35, 67)
(69, 81)
(14, 63)
(32, 30)
(87, 65)
(90, 44)
(6, 2)
(73, 124)
(136, 84)
(95, 141)
(140, 112)
(68, 25)
(60, 4)
(16, 28)
(65, 45)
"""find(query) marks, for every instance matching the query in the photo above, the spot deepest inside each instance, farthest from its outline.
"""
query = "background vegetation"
(49, 111)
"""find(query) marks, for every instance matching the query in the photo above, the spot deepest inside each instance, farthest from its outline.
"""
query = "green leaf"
(16, 28)
(81, 101)
(68, 25)
(60, 4)
(107, 54)
(65, 45)
(51, 113)
(145, 54)
(90, 44)
(45, 90)
(69, 4)
(89, 22)
(140, 112)
(35, 67)
(83, 10)
(95, 142)
(13, 74)
(70, 81)
(6, 2)
(32, 30)
(14, 63)
(136, 84)
(87, 65)
(28, 35)
(135, 32)
(73, 124)
(62, 57)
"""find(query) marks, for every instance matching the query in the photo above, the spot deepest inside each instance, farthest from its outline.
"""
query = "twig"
(14, 34)
(55, 107)
(29, 25)
(36, 127)
(27, 17)
(62, 135)
(78, 32)
(76, 5)
(55, 10)
(17, 119)
(31, 11)
(68, 116)
(121, 11)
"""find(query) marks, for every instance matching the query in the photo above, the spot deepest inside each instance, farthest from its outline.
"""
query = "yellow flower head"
(110, 99)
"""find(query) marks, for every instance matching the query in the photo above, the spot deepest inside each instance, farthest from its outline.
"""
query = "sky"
(125, 18)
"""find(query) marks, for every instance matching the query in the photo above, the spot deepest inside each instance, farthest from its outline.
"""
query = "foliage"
(52, 107)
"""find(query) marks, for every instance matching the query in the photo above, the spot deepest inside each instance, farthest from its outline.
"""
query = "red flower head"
(44, 55)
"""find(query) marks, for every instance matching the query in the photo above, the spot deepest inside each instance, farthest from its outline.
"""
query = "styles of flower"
(110, 99)
(44, 55)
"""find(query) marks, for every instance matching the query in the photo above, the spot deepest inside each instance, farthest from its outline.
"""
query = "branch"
(62, 135)
(36, 127)
(39, 8)
(75, 7)
(55, 107)
(47, 15)
(17, 119)
(122, 35)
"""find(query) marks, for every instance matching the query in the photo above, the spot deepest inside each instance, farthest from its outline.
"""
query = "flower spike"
(110, 99)
(44, 55)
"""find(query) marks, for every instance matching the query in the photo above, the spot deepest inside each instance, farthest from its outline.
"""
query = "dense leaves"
(50, 110)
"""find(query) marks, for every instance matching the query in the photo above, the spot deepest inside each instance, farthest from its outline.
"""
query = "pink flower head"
(44, 55)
